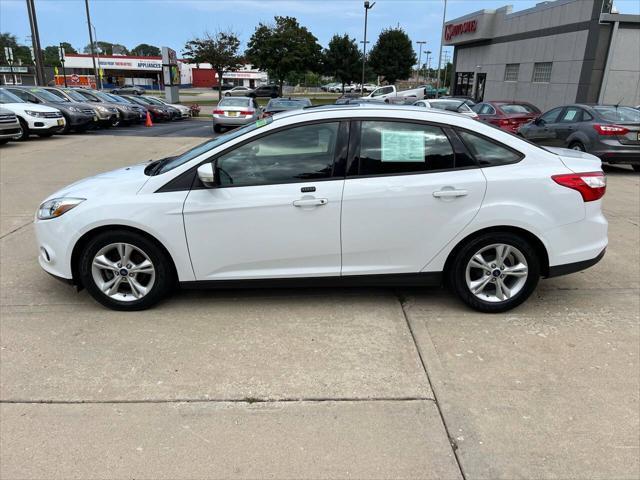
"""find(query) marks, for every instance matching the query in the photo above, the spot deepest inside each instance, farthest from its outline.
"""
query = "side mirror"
(207, 175)
(539, 121)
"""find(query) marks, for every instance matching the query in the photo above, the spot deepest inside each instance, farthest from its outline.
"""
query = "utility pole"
(444, 16)
(420, 42)
(428, 62)
(367, 7)
(93, 47)
(35, 39)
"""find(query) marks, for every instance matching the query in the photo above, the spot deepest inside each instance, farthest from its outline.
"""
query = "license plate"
(233, 114)
(60, 121)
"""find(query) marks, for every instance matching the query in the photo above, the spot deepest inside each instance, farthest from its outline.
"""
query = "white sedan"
(451, 105)
(338, 195)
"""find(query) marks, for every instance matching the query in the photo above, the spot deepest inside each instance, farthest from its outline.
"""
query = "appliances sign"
(453, 30)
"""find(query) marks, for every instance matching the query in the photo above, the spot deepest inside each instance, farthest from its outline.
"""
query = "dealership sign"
(113, 63)
(455, 29)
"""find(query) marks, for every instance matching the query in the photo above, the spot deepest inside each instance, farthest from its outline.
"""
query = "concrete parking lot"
(311, 383)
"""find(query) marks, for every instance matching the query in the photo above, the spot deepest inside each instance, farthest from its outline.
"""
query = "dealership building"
(558, 52)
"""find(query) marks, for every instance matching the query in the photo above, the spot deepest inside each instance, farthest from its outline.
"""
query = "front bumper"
(79, 119)
(11, 131)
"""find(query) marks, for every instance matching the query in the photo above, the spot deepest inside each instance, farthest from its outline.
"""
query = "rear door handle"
(310, 202)
(449, 193)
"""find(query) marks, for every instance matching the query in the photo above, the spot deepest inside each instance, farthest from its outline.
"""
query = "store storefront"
(118, 70)
(557, 52)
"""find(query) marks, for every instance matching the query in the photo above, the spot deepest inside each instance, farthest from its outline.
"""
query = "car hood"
(577, 161)
(127, 180)
(29, 106)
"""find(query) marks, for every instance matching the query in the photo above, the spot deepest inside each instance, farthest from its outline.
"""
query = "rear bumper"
(232, 121)
(628, 156)
(567, 268)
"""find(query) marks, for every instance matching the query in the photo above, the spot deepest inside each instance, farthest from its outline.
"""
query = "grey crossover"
(610, 132)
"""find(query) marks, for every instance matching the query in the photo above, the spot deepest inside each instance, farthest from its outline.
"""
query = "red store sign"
(453, 30)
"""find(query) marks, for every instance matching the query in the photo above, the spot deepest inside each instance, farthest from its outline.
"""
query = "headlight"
(102, 109)
(57, 206)
(34, 114)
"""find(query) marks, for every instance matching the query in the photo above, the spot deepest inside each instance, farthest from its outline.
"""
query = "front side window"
(551, 116)
(299, 154)
(487, 152)
(397, 147)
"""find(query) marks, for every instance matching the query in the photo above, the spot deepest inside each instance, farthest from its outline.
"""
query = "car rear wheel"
(45, 134)
(636, 168)
(125, 270)
(217, 128)
(495, 272)
(577, 146)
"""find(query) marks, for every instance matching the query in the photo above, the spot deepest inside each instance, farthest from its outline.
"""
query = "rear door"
(407, 194)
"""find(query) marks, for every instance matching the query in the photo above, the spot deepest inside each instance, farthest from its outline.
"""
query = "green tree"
(52, 56)
(145, 50)
(21, 54)
(284, 48)
(342, 59)
(220, 50)
(392, 56)
(107, 48)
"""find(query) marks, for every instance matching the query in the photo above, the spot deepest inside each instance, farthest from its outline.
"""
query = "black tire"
(273, 95)
(636, 168)
(45, 134)
(227, 94)
(3, 141)
(25, 129)
(577, 146)
(217, 128)
(115, 121)
(165, 277)
(67, 126)
(456, 274)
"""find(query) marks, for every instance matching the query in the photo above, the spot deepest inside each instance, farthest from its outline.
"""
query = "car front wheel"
(495, 272)
(125, 270)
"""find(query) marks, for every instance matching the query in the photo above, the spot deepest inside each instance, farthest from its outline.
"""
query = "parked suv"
(9, 126)
(78, 116)
(34, 119)
(265, 91)
(107, 113)
(126, 114)
(610, 132)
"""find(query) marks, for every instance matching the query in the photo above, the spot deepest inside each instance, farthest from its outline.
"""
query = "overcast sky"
(173, 22)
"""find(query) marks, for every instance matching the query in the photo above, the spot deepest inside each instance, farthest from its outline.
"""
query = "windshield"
(211, 144)
(618, 114)
(518, 108)
(8, 97)
(154, 101)
(102, 96)
(115, 98)
(140, 100)
(47, 96)
(234, 102)
(79, 96)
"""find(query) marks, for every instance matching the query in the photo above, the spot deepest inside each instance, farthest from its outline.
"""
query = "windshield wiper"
(154, 167)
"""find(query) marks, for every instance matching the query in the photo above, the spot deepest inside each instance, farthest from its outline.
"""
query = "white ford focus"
(337, 195)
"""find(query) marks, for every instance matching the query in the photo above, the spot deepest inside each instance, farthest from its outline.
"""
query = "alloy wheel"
(123, 272)
(496, 273)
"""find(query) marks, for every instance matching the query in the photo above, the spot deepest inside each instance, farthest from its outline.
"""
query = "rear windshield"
(234, 102)
(518, 108)
(450, 105)
(288, 104)
(619, 114)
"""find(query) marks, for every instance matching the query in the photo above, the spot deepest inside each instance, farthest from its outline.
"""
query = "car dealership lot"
(308, 383)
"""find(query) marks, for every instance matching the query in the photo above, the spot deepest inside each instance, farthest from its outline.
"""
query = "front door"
(275, 212)
(543, 130)
(408, 196)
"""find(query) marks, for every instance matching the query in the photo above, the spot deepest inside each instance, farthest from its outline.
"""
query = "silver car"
(234, 112)
(238, 92)
(9, 126)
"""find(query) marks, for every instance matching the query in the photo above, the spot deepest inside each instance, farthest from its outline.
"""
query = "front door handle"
(310, 202)
(450, 193)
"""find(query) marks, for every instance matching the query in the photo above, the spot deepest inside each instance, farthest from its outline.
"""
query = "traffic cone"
(148, 123)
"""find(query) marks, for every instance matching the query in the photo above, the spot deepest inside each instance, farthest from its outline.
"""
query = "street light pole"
(35, 40)
(420, 42)
(367, 7)
(428, 72)
(93, 47)
(99, 79)
(444, 16)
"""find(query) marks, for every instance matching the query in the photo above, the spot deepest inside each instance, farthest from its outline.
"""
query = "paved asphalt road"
(328, 383)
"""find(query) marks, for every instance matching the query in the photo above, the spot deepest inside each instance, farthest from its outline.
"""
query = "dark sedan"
(157, 112)
(507, 115)
(609, 132)
(277, 105)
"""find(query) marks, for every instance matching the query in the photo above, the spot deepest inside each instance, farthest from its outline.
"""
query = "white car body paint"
(385, 224)
(20, 109)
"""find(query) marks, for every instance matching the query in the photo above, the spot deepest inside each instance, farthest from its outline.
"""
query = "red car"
(506, 114)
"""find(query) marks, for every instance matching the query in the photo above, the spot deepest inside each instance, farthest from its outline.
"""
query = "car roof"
(374, 109)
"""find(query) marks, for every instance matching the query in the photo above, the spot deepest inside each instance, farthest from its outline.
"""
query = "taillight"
(610, 129)
(247, 112)
(590, 185)
(218, 112)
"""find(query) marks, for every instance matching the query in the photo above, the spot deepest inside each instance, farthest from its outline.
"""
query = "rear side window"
(487, 152)
(397, 147)
(571, 115)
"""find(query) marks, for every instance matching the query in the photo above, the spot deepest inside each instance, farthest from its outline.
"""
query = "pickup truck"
(390, 94)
